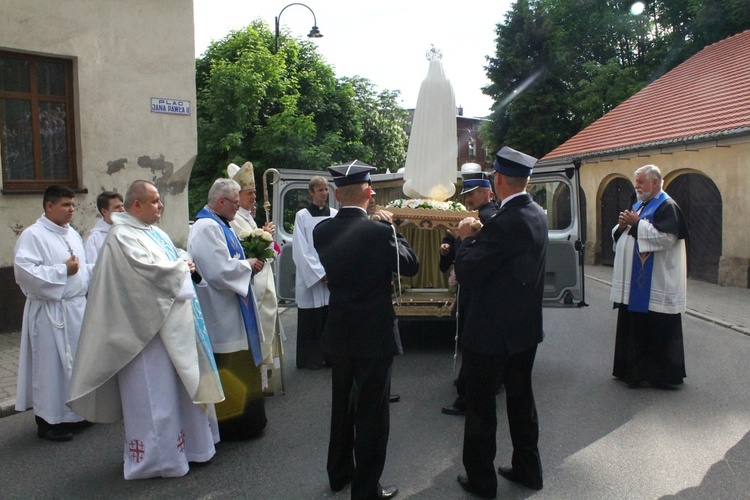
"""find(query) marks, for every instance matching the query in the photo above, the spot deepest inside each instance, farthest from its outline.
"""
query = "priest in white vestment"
(649, 286)
(311, 288)
(230, 311)
(51, 269)
(144, 356)
(264, 286)
(107, 203)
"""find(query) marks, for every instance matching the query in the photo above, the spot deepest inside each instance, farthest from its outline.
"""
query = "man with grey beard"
(649, 285)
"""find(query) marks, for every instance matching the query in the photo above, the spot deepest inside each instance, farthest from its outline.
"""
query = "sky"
(384, 41)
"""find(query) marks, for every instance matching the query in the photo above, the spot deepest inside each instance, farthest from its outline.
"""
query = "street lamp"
(314, 31)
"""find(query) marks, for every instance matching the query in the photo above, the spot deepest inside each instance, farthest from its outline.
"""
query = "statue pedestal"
(425, 218)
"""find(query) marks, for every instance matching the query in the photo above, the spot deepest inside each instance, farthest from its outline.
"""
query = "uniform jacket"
(359, 256)
(502, 269)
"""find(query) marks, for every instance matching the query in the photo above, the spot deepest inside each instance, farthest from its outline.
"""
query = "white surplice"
(309, 290)
(55, 304)
(264, 289)
(136, 295)
(224, 277)
(95, 240)
(669, 276)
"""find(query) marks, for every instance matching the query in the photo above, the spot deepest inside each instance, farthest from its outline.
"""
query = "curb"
(692, 312)
(8, 407)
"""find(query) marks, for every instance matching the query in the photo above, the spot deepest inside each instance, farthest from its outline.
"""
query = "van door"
(291, 194)
(557, 190)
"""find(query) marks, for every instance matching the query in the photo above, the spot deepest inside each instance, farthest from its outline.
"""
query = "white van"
(555, 188)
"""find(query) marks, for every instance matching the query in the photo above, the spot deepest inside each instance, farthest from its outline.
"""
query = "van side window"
(294, 201)
(554, 198)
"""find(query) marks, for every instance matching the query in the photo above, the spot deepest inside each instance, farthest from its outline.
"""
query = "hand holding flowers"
(257, 244)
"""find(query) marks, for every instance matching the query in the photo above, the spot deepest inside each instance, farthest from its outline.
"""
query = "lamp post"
(314, 31)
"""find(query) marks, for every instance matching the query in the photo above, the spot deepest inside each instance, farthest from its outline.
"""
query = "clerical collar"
(245, 213)
(644, 203)
(317, 211)
(217, 215)
(53, 225)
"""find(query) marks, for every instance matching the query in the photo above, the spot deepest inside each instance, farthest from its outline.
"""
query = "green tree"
(561, 64)
(383, 124)
(286, 110)
(531, 110)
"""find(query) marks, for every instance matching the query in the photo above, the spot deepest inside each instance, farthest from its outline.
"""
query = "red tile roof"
(706, 96)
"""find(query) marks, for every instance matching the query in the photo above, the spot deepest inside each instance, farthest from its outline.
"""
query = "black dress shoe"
(394, 398)
(75, 427)
(510, 475)
(453, 410)
(387, 492)
(463, 480)
(340, 486)
(57, 434)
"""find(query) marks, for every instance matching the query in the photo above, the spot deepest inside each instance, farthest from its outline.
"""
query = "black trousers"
(360, 423)
(480, 445)
(310, 324)
(649, 347)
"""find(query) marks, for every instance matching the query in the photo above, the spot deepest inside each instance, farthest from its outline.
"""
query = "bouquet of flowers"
(452, 281)
(257, 244)
(427, 204)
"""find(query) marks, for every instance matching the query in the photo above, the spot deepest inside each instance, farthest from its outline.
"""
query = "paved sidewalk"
(10, 344)
(725, 306)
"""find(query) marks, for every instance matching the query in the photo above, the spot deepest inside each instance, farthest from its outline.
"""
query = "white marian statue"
(431, 158)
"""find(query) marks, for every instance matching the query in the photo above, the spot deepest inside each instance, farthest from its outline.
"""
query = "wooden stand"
(424, 218)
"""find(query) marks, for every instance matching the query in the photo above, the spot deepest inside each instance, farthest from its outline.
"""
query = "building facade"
(694, 124)
(93, 95)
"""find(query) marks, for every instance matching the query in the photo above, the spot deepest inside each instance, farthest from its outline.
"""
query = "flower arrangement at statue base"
(427, 204)
(257, 244)
(428, 214)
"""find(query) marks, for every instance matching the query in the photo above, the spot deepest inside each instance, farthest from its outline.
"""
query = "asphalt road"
(599, 439)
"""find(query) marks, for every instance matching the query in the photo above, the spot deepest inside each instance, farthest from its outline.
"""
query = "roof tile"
(707, 94)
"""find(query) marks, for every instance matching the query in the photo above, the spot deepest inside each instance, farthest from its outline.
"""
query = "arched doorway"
(700, 201)
(617, 196)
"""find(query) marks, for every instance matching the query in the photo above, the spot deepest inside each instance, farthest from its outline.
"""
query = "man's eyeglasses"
(236, 203)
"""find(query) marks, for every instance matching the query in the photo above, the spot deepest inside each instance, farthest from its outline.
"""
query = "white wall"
(124, 53)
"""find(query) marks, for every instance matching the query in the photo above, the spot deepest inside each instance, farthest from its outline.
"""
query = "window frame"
(38, 183)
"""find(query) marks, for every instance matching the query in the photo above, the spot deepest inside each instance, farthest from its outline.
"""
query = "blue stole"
(643, 263)
(200, 325)
(246, 306)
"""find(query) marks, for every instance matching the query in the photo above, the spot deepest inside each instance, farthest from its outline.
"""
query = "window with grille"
(37, 142)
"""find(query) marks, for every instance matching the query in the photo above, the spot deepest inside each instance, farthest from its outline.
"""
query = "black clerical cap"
(513, 163)
(473, 180)
(344, 175)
